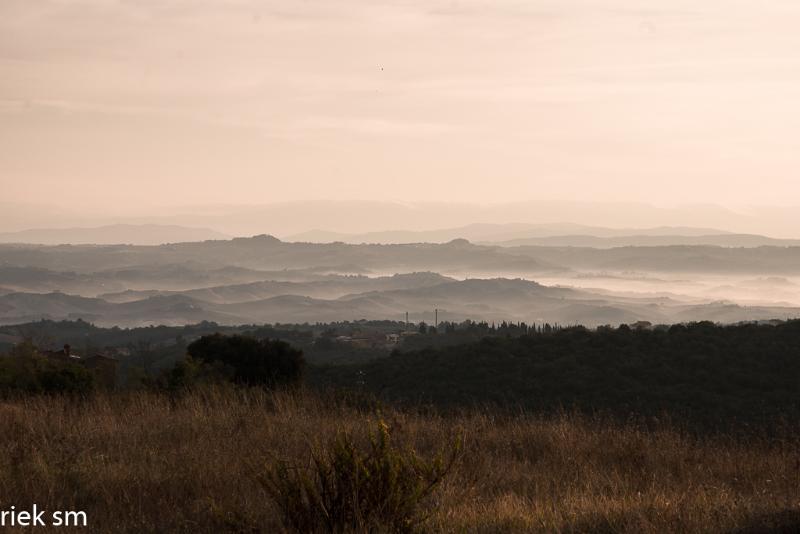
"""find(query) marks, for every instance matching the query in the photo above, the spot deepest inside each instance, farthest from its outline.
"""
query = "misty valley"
(265, 280)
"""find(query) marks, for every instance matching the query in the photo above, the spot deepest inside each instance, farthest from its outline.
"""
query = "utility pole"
(406, 321)
(436, 319)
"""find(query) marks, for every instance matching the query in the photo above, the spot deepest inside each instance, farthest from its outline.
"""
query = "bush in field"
(72, 379)
(33, 374)
(346, 489)
(190, 373)
(249, 361)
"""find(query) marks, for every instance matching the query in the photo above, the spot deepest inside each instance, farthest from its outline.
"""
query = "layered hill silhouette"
(269, 253)
(491, 300)
(264, 279)
(329, 287)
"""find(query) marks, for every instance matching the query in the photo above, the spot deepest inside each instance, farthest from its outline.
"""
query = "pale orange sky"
(148, 102)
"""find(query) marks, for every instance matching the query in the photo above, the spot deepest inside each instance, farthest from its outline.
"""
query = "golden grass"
(142, 462)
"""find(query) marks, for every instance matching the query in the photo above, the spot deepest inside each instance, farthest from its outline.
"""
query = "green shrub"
(34, 374)
(346, 489)
(70, 378)
(190, 373)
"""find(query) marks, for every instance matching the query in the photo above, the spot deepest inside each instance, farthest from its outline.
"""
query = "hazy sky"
(156, 102)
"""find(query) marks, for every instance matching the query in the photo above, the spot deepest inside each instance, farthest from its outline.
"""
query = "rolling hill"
(490, 300)
(332, 286)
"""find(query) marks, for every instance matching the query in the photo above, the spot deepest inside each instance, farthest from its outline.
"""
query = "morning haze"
(126, 106)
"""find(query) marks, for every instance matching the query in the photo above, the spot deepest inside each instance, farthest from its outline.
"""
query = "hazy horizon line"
(286, 218)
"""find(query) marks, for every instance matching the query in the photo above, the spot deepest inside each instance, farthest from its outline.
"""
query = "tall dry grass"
(143, 462)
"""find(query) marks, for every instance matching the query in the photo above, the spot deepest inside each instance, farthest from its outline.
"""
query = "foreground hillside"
(144, 462)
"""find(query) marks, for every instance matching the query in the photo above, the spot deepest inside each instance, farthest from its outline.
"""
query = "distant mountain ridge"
(116, 234)
(495, 233)
(554, 235)
(512, 234)
(290, 218)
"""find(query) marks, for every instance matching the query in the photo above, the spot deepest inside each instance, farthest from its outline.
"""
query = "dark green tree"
(251, 361)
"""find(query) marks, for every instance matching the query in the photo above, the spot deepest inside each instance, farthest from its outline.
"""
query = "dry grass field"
(145, 462)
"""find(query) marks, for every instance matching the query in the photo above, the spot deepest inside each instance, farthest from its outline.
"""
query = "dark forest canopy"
(701, 373)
